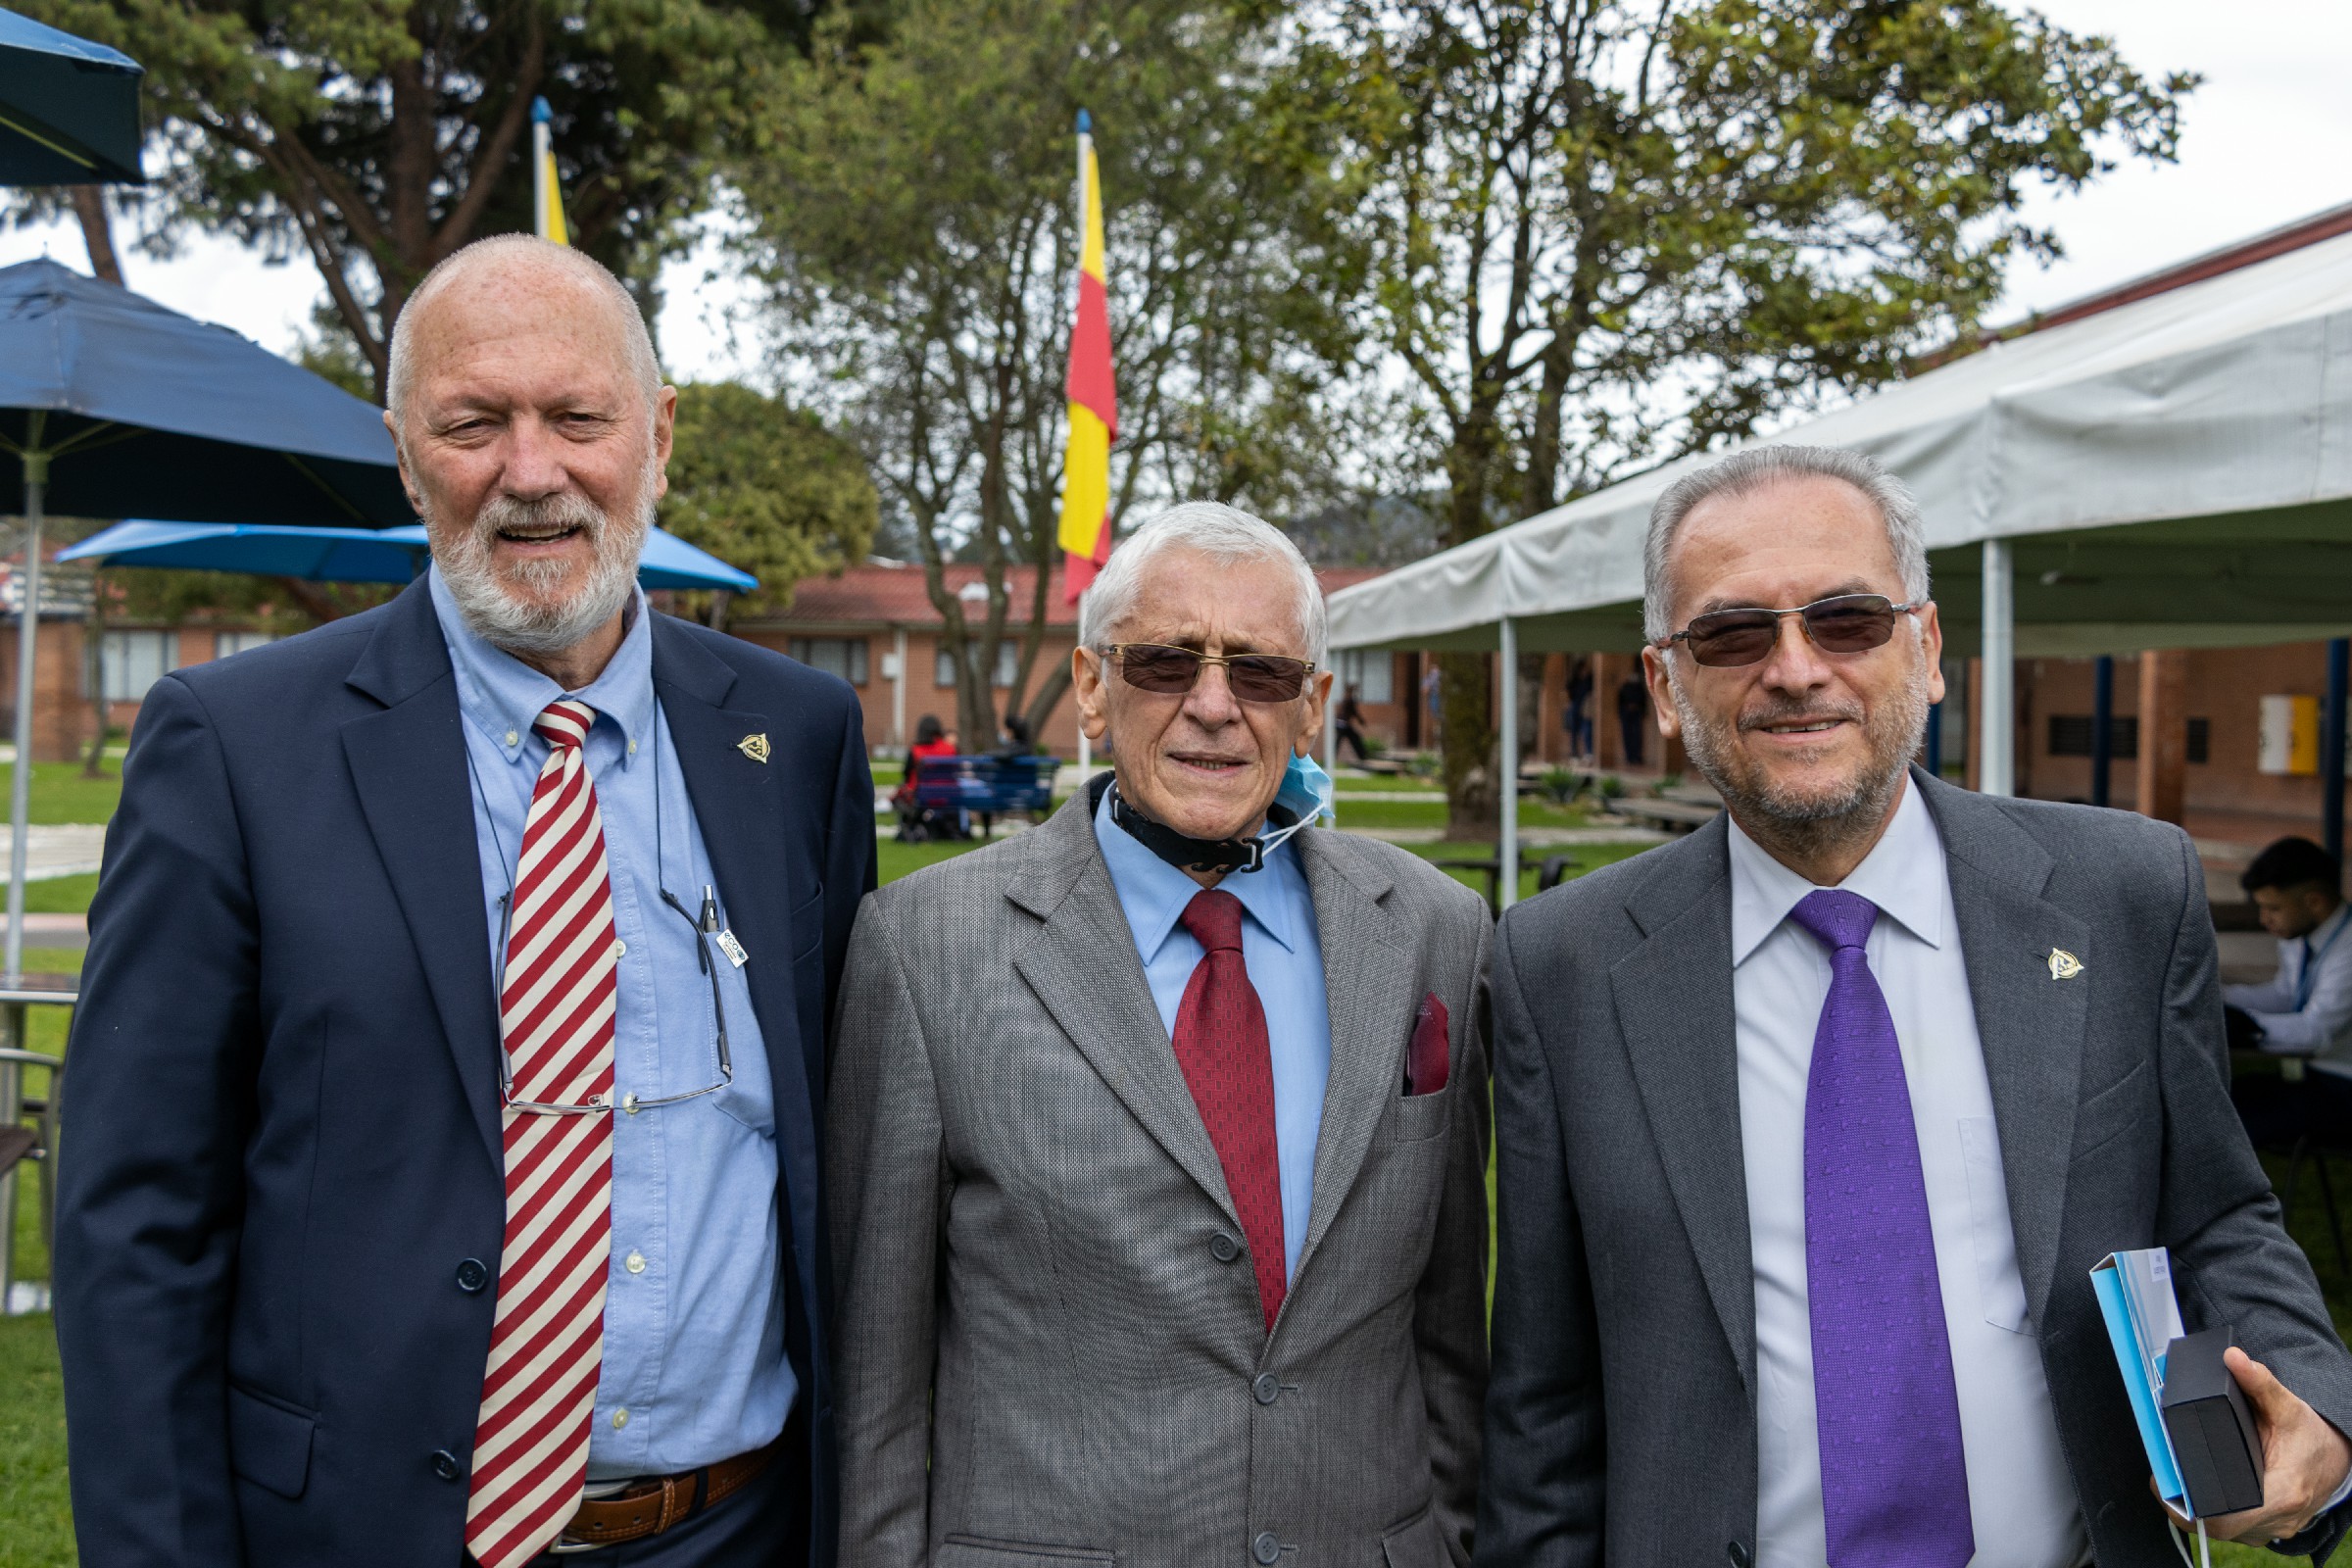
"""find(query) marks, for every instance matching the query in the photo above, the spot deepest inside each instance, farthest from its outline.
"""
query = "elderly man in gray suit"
(1811, 1126)
(1157, 1136)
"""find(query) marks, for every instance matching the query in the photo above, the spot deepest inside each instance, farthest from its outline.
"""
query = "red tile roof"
(893, 596)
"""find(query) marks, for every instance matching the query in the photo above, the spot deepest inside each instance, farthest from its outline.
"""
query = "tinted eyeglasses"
(1172, 671)
(1849, 624)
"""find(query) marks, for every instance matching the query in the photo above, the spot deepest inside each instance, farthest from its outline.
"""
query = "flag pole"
(1086, 745)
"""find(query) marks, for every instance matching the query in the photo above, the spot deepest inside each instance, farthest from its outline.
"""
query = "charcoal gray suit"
(1621, 1425)
(1051, 1354)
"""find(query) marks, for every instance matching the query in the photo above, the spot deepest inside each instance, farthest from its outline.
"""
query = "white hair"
(519, 252)
(1744, 471)
(1225, 535)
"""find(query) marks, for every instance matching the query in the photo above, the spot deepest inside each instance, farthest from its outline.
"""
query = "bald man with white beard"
(444, 1185)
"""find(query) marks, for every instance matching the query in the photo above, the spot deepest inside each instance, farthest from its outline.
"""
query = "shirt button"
(628, 1102)
(620, 1418)
(634, 1262)
(472, 1276)
(1267, 1388)
(1223, 1247)
(620, 948)
(445, 1464)
(1266, 1549)
(513, 737)
(632, 748)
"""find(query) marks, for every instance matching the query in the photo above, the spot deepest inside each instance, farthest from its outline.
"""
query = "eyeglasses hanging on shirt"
(708, 932)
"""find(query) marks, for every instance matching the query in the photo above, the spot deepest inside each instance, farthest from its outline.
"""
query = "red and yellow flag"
(1093, 394)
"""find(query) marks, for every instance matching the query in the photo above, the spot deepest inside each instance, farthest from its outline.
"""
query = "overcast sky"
(2266, 140)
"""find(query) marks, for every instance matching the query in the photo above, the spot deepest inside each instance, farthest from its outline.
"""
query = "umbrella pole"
(29, 626)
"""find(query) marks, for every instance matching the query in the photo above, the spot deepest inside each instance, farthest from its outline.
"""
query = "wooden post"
(2162, 733)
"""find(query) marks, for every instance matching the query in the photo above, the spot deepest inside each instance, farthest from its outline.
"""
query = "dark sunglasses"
(1172, 671)
(1849, 624)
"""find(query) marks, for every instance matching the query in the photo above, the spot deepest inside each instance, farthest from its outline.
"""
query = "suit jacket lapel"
(407, 763)
(1083, 968)
(2030, 1024)
(1370, 991)
(1675, 1011)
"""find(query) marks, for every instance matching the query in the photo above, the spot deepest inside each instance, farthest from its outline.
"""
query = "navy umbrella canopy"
(145, 413)
(69, 108)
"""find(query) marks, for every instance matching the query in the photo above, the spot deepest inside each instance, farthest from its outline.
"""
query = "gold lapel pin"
(754, 747)
(2064, 965)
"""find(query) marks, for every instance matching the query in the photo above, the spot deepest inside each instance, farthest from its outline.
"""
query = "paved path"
(66, 849)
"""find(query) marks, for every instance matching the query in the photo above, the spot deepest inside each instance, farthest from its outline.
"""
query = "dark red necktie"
(1221, 1044)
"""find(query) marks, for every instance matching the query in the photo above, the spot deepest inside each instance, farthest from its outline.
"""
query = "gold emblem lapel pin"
(754, 747)
(2064, 965)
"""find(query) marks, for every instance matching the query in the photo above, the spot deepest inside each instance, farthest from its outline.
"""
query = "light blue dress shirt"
(1285, 958)
(693, 1366)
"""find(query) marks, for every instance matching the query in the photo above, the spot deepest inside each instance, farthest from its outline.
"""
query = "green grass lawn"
(60, 794)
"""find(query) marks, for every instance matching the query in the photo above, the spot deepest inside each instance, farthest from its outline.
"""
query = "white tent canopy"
(2174, 473)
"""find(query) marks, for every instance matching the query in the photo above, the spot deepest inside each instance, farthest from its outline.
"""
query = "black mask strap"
(1221, 856)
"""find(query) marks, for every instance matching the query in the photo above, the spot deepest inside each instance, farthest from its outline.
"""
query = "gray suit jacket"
(1621, 1425)
(1050, 1352)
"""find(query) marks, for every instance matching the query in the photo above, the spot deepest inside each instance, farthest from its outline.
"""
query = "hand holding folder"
(2227, 1442)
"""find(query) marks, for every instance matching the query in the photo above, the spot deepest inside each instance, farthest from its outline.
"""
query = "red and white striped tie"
(530, 1446)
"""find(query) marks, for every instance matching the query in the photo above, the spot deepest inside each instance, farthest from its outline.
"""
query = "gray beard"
(1805, 825)
(486, 595)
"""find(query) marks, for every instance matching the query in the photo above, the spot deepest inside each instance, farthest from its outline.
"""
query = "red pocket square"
(1426, 1060)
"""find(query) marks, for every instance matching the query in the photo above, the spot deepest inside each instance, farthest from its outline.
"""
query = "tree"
(767, 488)
(378, 136)
(912, 197)
(1607, 234)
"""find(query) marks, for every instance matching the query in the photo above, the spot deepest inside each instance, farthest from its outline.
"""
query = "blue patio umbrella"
(346, 555)
(69, 108)
(118, 408)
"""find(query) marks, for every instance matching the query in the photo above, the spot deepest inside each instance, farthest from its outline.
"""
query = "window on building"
(1009, 662)
(1369, 673)
(130, 662)
(225, 643)
(2070, 736)
(835, 655)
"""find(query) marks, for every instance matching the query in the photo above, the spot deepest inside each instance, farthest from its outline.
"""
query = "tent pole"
(1997, 773)
(1507, 851)
(2102, 726)
(2332, 747)
(29, 626)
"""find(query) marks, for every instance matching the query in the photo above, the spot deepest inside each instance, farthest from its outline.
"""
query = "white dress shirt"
(2306, 1011)
(2021, 1500)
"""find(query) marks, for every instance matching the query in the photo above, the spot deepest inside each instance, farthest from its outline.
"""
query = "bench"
(940, 792)
(1680, 817)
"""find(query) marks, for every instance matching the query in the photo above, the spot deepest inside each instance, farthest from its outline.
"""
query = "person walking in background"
(2305, 1011)
(444, 1174)
(1633, 717)
(1158, 1135)
(1351, 723)
(1811, 1125)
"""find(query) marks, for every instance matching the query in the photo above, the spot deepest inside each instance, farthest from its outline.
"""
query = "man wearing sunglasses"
(1158, 1133)
(1811, 1127)
(444, 1185)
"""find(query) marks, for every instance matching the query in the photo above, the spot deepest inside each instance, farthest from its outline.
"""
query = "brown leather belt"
(649, 1507)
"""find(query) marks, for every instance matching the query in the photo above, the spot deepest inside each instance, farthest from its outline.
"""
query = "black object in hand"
(2212, 1427)
(2245, 1033)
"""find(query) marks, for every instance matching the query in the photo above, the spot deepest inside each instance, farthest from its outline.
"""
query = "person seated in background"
(2305, 1011)
(932, 739)
(1017, 742)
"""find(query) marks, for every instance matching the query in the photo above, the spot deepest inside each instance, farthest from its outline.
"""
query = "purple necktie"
(1894, 1479)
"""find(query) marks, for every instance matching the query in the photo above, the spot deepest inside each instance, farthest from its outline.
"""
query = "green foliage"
(767, 488)
(375, 137)
(912, 197)
(1560, 785)
(1605, 233)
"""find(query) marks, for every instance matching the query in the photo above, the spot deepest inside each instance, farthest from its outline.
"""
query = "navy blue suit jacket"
(284, 1091)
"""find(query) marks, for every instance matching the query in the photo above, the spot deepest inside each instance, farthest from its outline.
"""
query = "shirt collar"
(1153, 893)
(1903, 875)
(2319, 935)
(504, 697)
